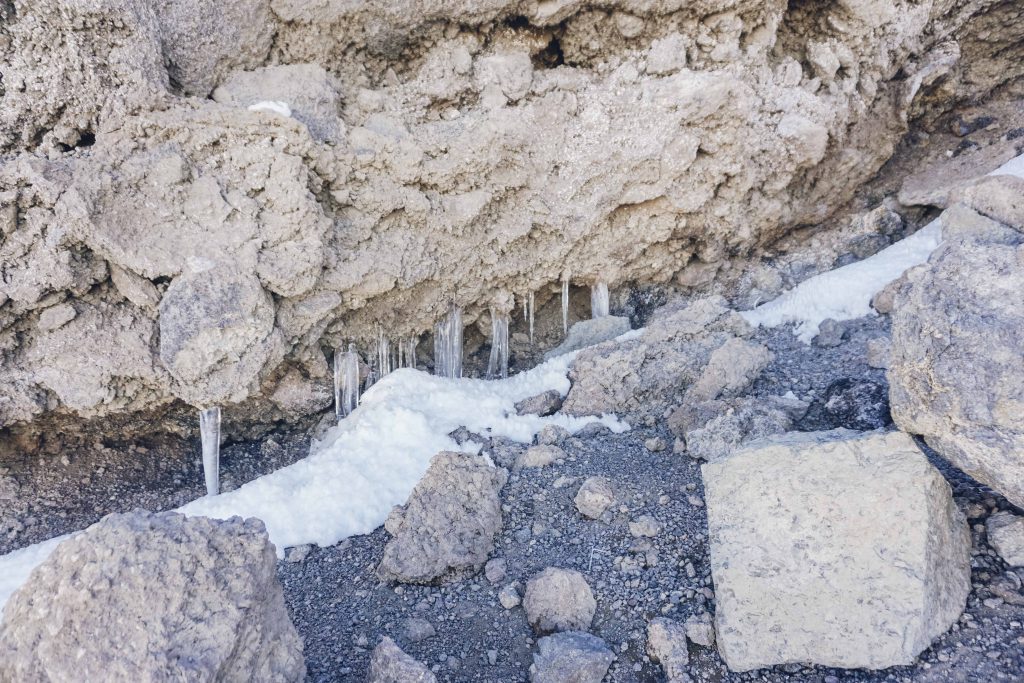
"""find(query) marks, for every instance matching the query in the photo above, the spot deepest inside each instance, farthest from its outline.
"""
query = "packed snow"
(371, 460)
(845, 293)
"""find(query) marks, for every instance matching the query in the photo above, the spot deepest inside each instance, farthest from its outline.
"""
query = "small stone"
(1006, 535)
(655, 444)
(594, 497)
(492, 657)
(417, 629)
(539, 456)
(552, 435)
(559, 600)
(389, 664)
(543, 404)
(645, 526)
(509, 596)
(571, 656)
(699, 630)
(695, 501)
(299, 553)
(495, 570)
(666, 645)
(830, 333)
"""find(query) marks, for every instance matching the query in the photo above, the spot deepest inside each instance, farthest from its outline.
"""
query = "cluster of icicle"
(402, 354)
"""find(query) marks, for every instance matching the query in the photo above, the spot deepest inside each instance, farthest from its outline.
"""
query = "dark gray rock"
(570, 657)
(543, 404)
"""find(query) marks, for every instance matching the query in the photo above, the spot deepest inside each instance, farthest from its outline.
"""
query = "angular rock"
(731, 367)
(830, 333)
(126, 598)
(416, 629)
(726, 425)
(388, 664)
(543, 404)
(570, 657)
(672, 354)
(449, 523)
(590, 332)
(857, 576)
(594, 497)
(700, 630)
(552, 435)
(645, 526)
(559, 599)
(855, 404)
(509, 596)
(666, 645)
(955, 374)
(496, 569)
(1006, 535)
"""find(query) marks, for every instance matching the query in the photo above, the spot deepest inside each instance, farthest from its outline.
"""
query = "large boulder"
(146, 597)
(699, 350)
(836, 548)
(449, 523)
(956, 375)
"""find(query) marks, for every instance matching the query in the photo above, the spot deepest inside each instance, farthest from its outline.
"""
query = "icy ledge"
(845, 293)
(371, 461)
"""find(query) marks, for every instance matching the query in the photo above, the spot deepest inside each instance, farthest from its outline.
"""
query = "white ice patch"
(845, 293)
(371, 461)
(273, 106)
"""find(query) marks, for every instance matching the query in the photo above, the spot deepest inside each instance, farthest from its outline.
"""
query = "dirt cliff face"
(162, 240)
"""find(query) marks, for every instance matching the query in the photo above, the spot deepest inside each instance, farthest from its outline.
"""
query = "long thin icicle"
(383, 354)
(529, 311)
(346, 381)
(497, 366)
(565, 304)
(209, 432)
(407, 352)
(599, 306)
(448, 344)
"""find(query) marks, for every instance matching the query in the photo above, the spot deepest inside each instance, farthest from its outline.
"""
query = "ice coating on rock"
(599, 305)
(448, 344)
(209, 431)
(497, 365)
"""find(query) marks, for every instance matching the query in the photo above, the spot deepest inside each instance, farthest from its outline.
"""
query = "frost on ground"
(845, 293)
(371, 461)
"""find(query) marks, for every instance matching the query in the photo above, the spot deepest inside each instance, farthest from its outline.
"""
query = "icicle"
(565, 304)
(209, 432)
(448, 344)
(407, 352)
(497, 366)
(346, 381)
(384, 364)
(528, 312)
(599, 300)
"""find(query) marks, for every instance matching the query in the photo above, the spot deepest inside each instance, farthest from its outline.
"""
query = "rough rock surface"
(835, 548)
(714, 429)
(449, 523)
(539, 456)
(666, 645)
(570, 657)
(955, 372)
(692, 349)
(590, 332)
(143, 596)
(543, 404)
(594, 497)
(1006, 534)
(389, 664)
(458, 152)
(559, 599)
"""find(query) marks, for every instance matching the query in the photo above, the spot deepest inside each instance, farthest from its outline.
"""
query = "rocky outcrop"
(449, 523)
(833, 548)
(699, 352)
(955, 373)
(143, 596)
(461, 152)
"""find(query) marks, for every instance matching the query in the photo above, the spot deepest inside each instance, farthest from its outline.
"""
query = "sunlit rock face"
(463, 153)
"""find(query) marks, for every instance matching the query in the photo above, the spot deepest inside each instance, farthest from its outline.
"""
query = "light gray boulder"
(590, 332)
(570, 657)
(836, 548)
(539, 456)
(154, 597)
(449, 523)
(559, 599)
(1006, 534)
(388, 664)
(955, 372)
